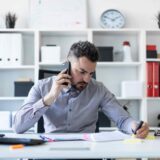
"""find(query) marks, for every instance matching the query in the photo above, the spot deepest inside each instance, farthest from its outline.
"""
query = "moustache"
(82, 83)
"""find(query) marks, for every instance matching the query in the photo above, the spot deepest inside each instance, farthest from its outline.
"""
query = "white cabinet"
(10, 73)
(112, 74)
(153, 103)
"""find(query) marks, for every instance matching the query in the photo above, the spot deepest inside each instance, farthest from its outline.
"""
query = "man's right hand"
(57, 86)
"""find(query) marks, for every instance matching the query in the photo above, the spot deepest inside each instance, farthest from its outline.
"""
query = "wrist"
(45, 104)
(48, 100)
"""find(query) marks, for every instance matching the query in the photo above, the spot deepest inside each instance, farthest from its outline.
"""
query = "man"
(74, 107)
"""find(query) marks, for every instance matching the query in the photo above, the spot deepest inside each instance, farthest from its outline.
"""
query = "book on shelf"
(153, 79)
(151, 51)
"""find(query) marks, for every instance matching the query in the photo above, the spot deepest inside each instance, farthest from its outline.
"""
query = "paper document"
(97, 137)
(108, 136)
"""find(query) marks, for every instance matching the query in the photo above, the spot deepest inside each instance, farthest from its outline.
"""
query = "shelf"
(12, 98)
(17, 67)
(119, 64)
(154, 128)
(152, 60)
(153, 98)
(49, 64)
(131, 98)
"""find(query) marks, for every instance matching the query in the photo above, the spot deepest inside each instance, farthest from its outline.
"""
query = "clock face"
(112, 19)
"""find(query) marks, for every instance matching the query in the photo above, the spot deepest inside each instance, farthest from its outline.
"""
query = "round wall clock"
(112, 18)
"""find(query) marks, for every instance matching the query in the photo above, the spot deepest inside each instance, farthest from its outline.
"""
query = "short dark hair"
(86, 49)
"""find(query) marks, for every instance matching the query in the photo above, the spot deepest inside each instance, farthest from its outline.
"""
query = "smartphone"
(67, 65)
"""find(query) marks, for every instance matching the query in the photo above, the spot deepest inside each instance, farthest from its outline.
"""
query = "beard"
(80, 85)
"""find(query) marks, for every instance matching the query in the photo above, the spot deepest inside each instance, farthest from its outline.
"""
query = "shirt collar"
(66, 89)
(70, 88)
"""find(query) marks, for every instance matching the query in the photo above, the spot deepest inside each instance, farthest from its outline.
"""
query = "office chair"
(40, 126)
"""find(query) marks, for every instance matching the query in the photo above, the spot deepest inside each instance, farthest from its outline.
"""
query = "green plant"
(10, 20)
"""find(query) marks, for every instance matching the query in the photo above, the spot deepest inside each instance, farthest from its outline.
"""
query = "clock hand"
(116, 17)
(108, 17)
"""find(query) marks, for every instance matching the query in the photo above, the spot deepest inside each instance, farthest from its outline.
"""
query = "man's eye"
(82, 72)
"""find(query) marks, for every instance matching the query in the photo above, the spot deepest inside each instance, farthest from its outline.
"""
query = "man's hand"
(57, 86)
(143, 131)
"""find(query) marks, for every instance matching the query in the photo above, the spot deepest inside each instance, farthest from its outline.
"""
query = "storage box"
(21, 89)
(106, 54)
(50, 54)
(132, 89)
(5, 120)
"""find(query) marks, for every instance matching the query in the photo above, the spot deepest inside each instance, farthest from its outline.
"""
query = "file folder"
(149, 79)
(11, 49)
(155, 79)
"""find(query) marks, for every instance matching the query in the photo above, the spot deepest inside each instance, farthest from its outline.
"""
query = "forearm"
(126, 124)
(49, 99)
(117, 114)
(28, 115)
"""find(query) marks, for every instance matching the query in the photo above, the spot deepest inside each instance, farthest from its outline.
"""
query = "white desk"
(83, 149)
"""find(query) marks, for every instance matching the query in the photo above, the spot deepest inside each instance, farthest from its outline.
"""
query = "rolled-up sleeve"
(112, 108)
(31, 111)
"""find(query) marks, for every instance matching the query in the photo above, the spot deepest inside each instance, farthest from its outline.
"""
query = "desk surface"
(83, 149)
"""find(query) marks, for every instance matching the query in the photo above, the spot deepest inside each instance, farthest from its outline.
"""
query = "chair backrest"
(40, 126)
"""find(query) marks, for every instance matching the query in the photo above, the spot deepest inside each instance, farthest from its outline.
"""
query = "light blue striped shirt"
(73, 111)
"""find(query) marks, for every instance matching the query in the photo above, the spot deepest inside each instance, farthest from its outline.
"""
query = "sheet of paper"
(102, 136)
(108, 136)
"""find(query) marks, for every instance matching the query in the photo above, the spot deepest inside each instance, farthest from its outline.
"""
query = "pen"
(138, 127)
(44, 138)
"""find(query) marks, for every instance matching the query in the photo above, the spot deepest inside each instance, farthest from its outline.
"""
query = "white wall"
(138, 13)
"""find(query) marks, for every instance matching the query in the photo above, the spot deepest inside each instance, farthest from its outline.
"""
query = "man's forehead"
(86, 66)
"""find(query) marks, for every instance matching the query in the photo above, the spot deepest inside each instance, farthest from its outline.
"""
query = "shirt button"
(70, 109)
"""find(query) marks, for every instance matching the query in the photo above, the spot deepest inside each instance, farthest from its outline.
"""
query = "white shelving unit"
(112, 74)
(9, 73)
(153, 107)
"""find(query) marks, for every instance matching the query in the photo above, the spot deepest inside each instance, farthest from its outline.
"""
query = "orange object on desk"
(16, 146)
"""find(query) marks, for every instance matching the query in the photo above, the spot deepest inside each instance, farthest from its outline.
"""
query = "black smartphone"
(67, 65)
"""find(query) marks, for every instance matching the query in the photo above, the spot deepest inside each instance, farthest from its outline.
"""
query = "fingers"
(62, 78)
(64, 71)
(143, 131)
